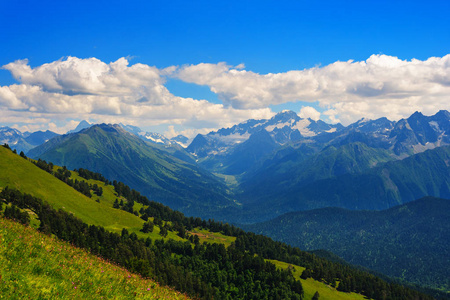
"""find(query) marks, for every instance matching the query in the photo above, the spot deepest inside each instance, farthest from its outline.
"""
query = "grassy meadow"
(19, 173)
(36, 266)
(310, 286)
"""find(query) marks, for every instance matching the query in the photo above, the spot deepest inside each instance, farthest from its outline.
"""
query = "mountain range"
(24, 141)
(188, 254)
(263, 169)
(259, 169)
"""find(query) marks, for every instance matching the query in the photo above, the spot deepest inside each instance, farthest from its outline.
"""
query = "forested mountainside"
(153, 240)
(409, 241)
(380, 187)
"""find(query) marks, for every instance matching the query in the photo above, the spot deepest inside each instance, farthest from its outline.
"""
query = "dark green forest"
(409, 242)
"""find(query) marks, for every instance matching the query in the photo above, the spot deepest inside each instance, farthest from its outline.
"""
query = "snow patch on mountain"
(435, 126)
(302, 126)
(289, 123)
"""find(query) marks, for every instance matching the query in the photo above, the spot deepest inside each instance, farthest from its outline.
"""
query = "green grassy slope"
(311, 286)
(21, 174)
(36, 266)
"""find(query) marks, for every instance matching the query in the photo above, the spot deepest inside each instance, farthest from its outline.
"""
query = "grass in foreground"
(36, 266)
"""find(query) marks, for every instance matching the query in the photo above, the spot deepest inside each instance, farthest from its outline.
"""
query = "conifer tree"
(316, 296)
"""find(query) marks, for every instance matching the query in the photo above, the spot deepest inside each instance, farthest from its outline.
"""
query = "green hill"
(21, 174)
(409, 242)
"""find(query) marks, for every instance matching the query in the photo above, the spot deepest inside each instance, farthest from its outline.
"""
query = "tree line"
(64, 175)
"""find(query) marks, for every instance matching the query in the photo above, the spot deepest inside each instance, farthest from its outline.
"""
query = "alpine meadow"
(225, 150)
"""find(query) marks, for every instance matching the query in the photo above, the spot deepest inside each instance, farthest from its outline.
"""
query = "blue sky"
(265, 36)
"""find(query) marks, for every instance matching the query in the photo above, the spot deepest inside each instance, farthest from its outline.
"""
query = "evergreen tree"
(147, 227)
(163, 231)
(116, 204)
(316, 296)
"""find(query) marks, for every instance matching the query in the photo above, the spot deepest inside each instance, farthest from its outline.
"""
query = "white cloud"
(53, 95)
(309, 112)
(380, 86)
(75, 89)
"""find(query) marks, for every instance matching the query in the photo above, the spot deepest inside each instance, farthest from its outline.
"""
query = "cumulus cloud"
(380, 86)
(74, 88)
(309, 112)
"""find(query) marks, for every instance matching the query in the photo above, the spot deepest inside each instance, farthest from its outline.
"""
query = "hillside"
(292, 170)
(21, 174)
(57, 270)
(409, 242)
(121, 156)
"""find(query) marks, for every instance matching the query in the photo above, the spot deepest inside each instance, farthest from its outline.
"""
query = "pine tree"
(116, 204)
(316, 296)
(147, 227)
(163, 232)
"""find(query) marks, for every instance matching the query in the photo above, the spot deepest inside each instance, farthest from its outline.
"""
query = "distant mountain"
(409, 242)
(214, 148)
(405, 137)
(39, 137)
(82, 125)
(24, 141)
(14, 139)
(156, 138)
(181, 140)
(156, 173)
(246, 154)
